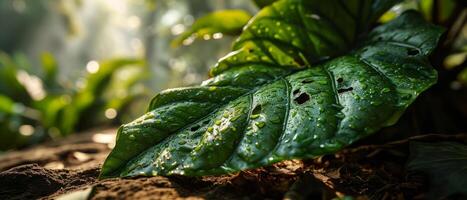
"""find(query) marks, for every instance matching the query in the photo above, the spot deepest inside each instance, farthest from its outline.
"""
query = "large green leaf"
(267, 103)
(446, 165)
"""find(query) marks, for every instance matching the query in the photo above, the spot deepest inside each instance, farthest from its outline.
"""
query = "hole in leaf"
(303, 98)
(256, 110)
(194, 128)
(340, 80)
(307, 81)
(206, 122)
(342, 90)
(412, 52)
(295, 92)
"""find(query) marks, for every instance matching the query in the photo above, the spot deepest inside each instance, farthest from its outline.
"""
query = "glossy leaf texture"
(269, 101)
(214, 26)
(445, 163)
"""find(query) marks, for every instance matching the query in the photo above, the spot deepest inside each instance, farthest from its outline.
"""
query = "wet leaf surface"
(268, 101)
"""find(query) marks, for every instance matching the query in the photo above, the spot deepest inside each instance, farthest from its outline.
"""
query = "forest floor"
(69, 168)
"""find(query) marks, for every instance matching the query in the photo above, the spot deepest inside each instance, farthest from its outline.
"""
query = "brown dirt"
(32, 181)
(54, 169)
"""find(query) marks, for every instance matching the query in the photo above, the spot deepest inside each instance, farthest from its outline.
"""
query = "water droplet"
(314, 16)
(212, 88)
(210, 129)
(340, 115)
(260, 124)
(218, 122)
(255, 116)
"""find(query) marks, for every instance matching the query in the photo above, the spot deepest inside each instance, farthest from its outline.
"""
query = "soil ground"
(55, 169)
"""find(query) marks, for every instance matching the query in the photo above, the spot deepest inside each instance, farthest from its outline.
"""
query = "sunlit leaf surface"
(278, 96)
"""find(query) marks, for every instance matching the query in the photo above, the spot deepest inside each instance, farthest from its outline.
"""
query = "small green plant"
(36, 106)
(304, 79)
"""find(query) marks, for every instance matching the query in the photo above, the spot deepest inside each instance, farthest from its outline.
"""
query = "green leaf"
(50, 70)
(84, 103)
(463, 76)
(213, 25)
(6, 105)
(267, 102)
(9, 84)
(11, 118)
(446, 165)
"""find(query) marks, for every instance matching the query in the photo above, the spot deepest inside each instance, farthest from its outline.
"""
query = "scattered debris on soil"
(55, 169)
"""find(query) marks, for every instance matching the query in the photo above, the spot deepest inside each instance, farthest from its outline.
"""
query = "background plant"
(35, 107)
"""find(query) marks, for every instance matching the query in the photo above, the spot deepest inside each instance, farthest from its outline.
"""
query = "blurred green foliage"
(36, 106)
(214, 25)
